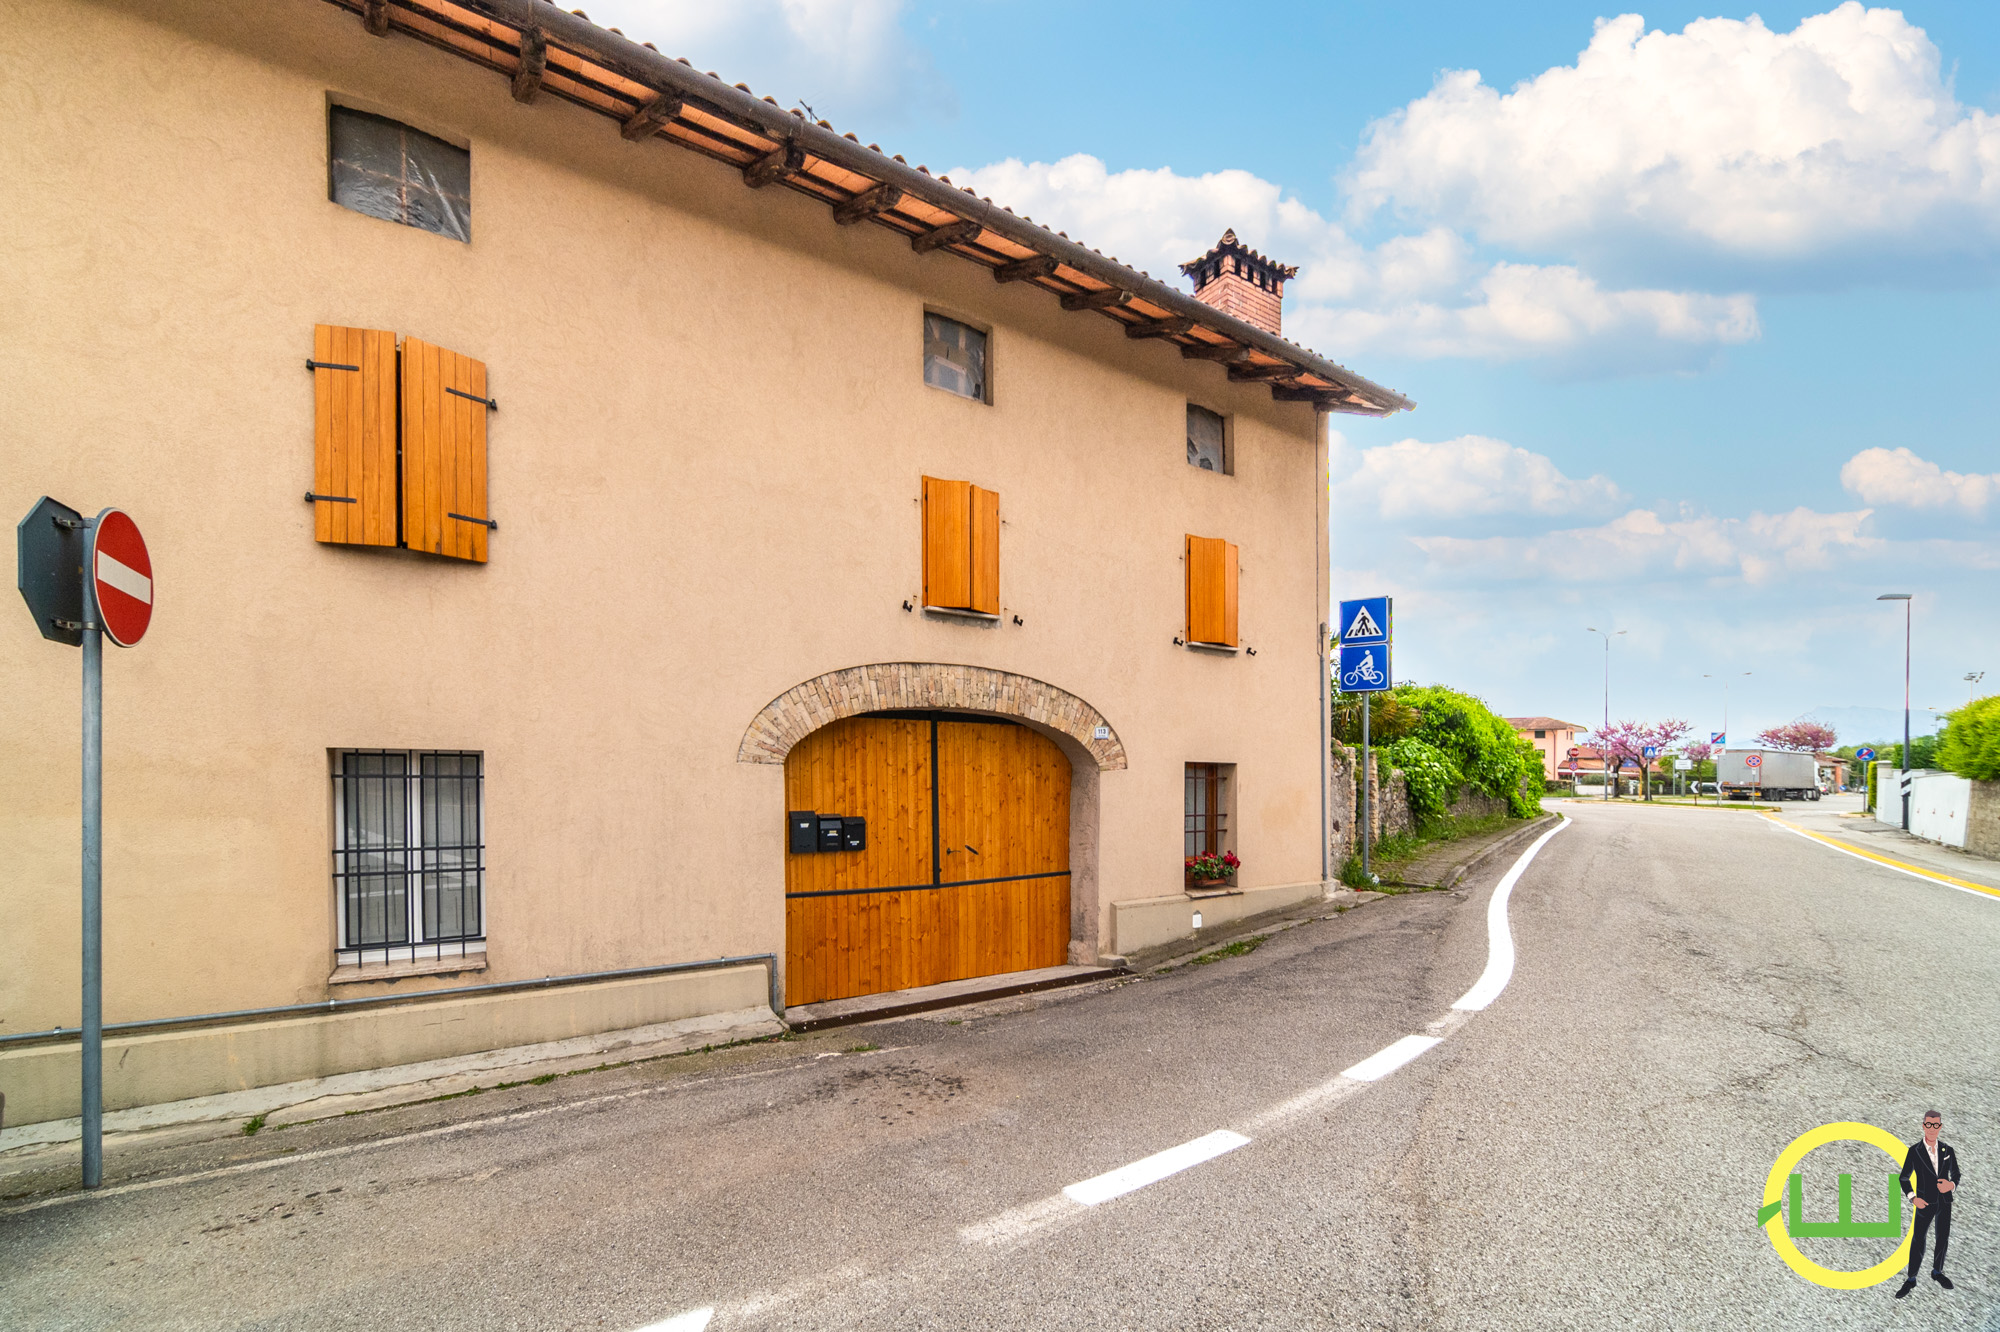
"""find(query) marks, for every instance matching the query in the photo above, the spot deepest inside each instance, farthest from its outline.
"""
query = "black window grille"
(1207, 809)
(1206, 447)
(409, 856)
(390, 171)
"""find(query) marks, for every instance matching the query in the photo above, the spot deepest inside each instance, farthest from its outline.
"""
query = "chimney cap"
(1230, 245)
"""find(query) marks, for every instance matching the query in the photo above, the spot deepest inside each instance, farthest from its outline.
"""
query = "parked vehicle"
(1767, 774)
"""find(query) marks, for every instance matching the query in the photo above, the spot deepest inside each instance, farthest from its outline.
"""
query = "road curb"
(1453, 877)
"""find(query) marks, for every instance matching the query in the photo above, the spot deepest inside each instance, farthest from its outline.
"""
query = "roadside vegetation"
(1446, 743)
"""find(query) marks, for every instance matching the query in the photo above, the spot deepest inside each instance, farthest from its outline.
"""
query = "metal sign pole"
(93, 875)
(1367, 790)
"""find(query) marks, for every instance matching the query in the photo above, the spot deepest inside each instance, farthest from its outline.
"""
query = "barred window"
(409, 855)
(954, 357)
(390, 171)
(1208, 808)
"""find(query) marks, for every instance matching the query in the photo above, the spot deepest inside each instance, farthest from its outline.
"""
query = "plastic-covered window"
(1205, 441)
(954, 357)
(390, 171)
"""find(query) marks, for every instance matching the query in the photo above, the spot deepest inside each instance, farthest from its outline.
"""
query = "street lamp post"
(1603, 741)
(1972, 679)
(1905, 598)
(1727, 680)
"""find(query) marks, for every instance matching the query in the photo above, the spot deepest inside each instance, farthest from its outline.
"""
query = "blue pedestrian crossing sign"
(1364, 667)
(1365, 620)
(1650, 751)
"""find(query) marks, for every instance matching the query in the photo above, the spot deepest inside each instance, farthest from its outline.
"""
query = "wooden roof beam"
(1095, 300)
(867, 204)
(781, 161)
(375, 16)
(1226, 352)
(534, 64)
(1160, 328)
(1257, 374)
(951, 233)
(1024, 270)
(651, 118)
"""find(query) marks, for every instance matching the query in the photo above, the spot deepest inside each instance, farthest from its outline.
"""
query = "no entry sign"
(122, 574)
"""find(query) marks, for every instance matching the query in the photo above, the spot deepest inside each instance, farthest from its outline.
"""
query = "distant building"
(1554, 739)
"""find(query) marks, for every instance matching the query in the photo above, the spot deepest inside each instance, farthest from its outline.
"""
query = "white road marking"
(1938, 877)
(1154, 1168)
(1390, 1058)
(694, 1320)
(1499, 938)
(1017, 1223)
(125, 578)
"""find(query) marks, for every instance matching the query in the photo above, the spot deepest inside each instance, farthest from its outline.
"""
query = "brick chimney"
(1237, 280)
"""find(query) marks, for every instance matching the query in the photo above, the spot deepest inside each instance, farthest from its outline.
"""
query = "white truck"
(1767, 774)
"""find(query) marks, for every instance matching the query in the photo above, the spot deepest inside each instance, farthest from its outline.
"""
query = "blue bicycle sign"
(1364, 667)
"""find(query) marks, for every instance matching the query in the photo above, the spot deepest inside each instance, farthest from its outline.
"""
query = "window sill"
(1200, 894)
(1221, 649)
(978, 617)
(351, 974)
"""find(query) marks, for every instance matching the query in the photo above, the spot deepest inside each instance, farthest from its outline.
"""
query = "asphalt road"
(1694, 989)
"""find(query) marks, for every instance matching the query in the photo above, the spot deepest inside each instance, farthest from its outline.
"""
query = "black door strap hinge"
(311, 364)
(487, 403)
(329, 499)
(483, 522)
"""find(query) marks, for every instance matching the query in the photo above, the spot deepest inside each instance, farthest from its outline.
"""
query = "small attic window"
(388, 170)
(954, 357)
(1207, 441)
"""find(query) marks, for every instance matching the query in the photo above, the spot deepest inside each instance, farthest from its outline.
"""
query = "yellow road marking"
(1933, 875)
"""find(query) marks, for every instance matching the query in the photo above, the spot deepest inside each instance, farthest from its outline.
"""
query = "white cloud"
(1640, 545)
(1898, 476)
(1468, 475)
(1422, 295)
(846, 58)
(1840, 134)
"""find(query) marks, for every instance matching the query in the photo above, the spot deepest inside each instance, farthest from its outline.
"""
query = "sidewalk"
(1865, 833)
(1445, 864)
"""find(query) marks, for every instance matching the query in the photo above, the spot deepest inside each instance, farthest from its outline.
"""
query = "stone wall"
(1982, 823)
(1473, 804)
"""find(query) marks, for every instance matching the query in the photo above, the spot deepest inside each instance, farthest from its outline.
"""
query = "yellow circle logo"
(1782, 1228)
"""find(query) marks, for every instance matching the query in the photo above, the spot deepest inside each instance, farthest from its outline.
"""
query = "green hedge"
(1970, 745)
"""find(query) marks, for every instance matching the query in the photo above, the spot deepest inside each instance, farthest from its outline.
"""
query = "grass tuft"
(253, 1124)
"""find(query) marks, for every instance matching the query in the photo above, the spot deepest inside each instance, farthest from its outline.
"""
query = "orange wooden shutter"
(444, 452)
(354, 435)
(985, 551)
(1228, 594)
(947, 543)
(1211, 591)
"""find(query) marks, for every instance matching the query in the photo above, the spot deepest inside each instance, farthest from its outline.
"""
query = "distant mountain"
(1873, 726)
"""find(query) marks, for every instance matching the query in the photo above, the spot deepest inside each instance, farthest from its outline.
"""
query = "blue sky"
(1698, 309)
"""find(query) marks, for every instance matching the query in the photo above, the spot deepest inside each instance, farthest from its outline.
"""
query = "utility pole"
(1906, 598)
(1603, 747)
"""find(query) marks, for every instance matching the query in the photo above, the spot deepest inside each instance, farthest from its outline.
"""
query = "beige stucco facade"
(705, 467)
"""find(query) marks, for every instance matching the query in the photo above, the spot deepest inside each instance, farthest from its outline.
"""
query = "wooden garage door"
(966, 872)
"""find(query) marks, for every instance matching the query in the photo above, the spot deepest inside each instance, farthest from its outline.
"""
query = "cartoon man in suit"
(1930, 1171)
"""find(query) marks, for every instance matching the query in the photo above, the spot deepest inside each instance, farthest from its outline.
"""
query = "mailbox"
(804, 828)
(832, 837)
(853, 834)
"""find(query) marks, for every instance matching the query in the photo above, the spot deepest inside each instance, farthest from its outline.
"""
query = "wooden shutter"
(985, 551)
(1211, 591)
(354, 435)
(444, 452)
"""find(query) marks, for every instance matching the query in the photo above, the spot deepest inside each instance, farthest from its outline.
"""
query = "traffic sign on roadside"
(49, 545)
(1365, 620)
(123, 574)
(1717, 738)
(1864, 753)
(1753, 760)
(1650, 751)
(1364, 667)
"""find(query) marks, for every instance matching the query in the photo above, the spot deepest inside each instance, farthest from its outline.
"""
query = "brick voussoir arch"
(885, 686)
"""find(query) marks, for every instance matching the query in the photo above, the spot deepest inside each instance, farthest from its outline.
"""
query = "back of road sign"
(49, 544)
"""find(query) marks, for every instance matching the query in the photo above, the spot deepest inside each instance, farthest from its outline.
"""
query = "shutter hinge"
(329, 499)
(487, 523)
(487, 403)
(311, 364)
